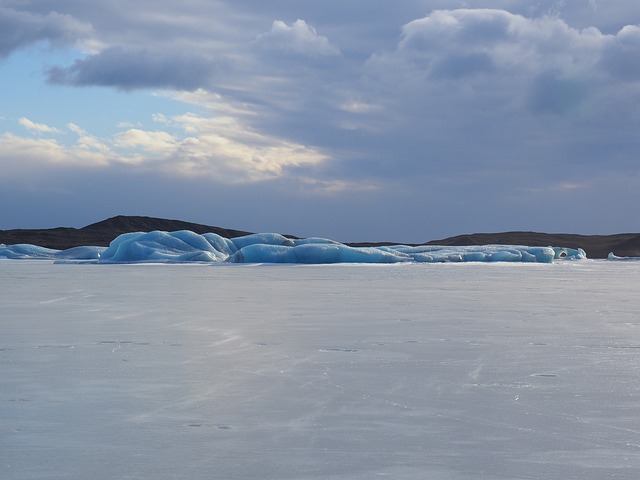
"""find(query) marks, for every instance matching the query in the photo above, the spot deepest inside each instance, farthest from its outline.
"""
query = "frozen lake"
(446, 371)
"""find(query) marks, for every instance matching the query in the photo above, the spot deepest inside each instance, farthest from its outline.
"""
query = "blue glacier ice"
(314, 253)
(34, 252)
(23, 250)
(156, 246)
(188, 247)
(274, 239)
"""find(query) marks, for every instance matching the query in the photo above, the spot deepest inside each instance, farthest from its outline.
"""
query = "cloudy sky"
(404, 121)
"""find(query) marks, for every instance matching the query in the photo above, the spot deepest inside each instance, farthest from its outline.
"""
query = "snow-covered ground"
(405, 371)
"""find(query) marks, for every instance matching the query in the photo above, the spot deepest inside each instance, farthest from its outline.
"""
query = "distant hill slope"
(101, 233)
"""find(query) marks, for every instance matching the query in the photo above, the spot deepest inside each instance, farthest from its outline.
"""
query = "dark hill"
(125, 224)
(101, 233)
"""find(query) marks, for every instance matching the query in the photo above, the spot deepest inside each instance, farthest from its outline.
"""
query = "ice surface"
(188, 247)
(406, 371)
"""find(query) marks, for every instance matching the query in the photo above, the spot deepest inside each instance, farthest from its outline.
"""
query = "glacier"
(185, 246)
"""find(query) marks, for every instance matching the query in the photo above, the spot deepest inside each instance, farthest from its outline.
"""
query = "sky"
(358, 121)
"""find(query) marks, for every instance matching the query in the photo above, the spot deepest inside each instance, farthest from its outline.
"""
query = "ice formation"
(34, 252)
(616, 258)
(188, 247)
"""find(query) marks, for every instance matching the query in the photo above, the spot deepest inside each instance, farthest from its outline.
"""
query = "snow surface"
(188, 247)
(405, 371)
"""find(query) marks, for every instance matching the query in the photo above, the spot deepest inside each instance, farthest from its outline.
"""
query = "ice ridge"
(185, 246)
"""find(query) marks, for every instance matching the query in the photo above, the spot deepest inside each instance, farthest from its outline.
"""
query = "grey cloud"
(512, 41)
(609, 16)
(503, 60)
(554, 94)
(19, 29)
(482, 27)
(131, 68)
(463, 65)
(621, 56)
(298, 38)
(510, 105)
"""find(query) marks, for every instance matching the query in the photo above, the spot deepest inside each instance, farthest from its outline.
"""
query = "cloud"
(227, 149)
(90, 143)
(298, 38)
(30, 149)
(36, 127)
(479, 97)
(160, 118)
(469, 45)
(621, 53)
(131, 68)
(148, 141)
(473, 64)
(219, 147)
(76, 129)
(465, 43)
(357, 107)
(407, 103)
(214, 103)
(553, 94)
(23, 157)
(20, 29)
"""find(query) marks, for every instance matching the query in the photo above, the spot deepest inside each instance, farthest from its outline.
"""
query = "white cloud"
(160, 118)
(14, 146)
(76, 129)
(153, 142)
(22, 155)
(298, 38)
(222, 147)
(127, 124)
(89, 143)
(226, 148)
(36, 127)
(213, 102)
